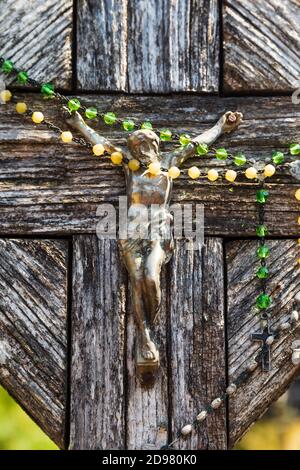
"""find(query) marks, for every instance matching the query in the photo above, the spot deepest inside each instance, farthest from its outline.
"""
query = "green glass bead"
(47, 89)
(109, 118)
(128, 125)
(240, 160)
(22, 77)
(147, 125)
(184, 139)
(263, 252)
(202, 149)
(7, 66)
(91, 113)
(261, 231)
(262, 196)
(165, 135)
(74, 104)
(221, 154)
(295, 149)
(263, 301)
(278, 158)
(262, 272)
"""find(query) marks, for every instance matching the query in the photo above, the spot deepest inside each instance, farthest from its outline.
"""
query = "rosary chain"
(65, 99)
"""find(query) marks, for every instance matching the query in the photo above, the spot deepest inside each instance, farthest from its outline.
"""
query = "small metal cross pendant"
(267, 338)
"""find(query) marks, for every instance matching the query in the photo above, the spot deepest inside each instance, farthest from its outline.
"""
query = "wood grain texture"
(173, 46)
(197, 351)
(33, 329)
(48, 187)
(204, 46)
(261, 45)
(147, 408)
(36, 36)
(190, 326)
(253, 399)
(102, 44)
(148, 45)
(97, 364)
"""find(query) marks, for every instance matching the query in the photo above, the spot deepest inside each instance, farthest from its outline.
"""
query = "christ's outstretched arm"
(77, 122)
(227, 123)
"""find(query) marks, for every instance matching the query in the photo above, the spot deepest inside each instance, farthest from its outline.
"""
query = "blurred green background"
(17, 430)
(279, 429)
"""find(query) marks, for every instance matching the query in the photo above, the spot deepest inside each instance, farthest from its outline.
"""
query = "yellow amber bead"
(174, 172)
(21, 108)
(231, 175)
(194, 172)
(297, 194)
(5, 96)
(299, 241)
(251, 173)
(98, 150)
(116, 158)
(66, 137)
(269, 170)
(299, 220)
(212, 175)
(154, 168)
(133, 164)
(37, 117)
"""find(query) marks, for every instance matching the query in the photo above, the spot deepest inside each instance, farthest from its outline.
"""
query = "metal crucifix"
(144, 257)
(267, 337)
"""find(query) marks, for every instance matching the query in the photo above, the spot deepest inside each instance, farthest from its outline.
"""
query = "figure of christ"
(144, 256)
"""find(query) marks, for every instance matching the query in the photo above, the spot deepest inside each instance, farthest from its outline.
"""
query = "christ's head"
(143, 145)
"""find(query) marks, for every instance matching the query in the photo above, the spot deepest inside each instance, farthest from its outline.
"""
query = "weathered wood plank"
(147, 408)
(198, 371)
(97, 363)
(173, 46)
(253, 399)
(204, 48)
(46, 186)
(102, 44)
(33, 329)
(261, 45)
(36, 36)
(148, 46)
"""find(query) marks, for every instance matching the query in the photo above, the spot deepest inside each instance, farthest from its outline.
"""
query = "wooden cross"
(265, 353)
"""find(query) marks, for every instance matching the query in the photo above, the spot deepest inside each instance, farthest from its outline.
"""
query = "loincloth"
(142, 247)
(145, 230)
(149, 223)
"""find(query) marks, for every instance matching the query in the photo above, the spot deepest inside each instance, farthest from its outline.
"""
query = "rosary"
(144, 165)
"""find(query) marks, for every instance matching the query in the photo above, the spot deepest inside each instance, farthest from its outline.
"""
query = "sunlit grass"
(17, 430)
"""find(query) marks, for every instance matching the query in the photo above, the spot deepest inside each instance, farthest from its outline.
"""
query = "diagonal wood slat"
(36, 36)
(253, 399)
(33, 329)
(261, 45)
(98, 329)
